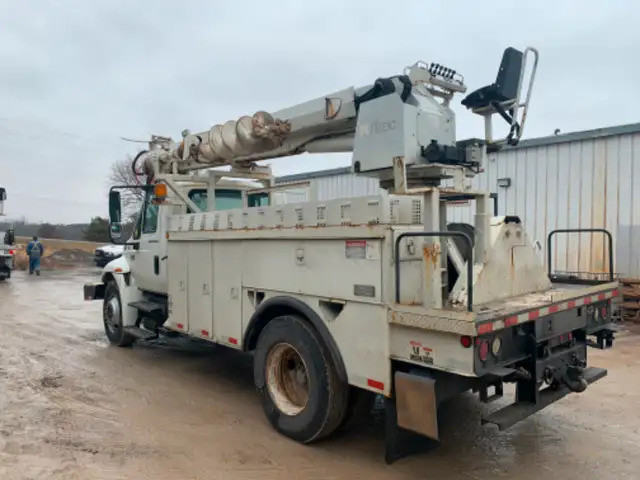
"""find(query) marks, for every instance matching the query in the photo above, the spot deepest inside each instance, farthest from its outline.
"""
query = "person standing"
(34, 251)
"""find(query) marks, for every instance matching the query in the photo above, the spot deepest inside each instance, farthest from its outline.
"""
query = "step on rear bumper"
(512, 414)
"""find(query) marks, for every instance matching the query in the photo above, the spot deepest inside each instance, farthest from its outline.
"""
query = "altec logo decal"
(541, 312)
(375, 128)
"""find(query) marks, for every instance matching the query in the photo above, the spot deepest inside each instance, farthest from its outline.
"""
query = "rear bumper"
(94, 291)
(545, 358)
(519, 410)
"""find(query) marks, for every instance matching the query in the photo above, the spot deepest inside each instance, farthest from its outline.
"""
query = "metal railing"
(581, 230)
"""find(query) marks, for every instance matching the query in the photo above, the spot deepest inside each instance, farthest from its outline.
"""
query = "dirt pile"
(71, 257)
(63, 258)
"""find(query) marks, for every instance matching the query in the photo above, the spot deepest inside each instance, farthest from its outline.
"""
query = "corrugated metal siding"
(335, 186)
(581, 184)
(346, 185)
(588, 182)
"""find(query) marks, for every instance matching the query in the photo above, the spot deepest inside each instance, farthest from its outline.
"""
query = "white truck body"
(378, 294)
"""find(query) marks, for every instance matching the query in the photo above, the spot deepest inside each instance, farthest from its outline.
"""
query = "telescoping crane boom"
(407, 115)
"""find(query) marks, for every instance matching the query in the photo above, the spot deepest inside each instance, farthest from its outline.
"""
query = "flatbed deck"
(502, 313)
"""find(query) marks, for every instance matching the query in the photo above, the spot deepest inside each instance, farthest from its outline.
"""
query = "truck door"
(148, 263)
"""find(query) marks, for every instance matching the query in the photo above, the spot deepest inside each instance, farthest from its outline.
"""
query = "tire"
(301, 393)
(112, 317)
(359, 408)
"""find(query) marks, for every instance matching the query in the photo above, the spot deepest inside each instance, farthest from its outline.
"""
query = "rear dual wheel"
(301, 392)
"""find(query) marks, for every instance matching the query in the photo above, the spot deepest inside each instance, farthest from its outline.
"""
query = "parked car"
(104, 254)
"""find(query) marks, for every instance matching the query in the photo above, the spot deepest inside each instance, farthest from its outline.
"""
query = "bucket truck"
(372, 294)
(6, 242)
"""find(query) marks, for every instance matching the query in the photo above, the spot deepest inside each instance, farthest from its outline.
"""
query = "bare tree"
(122, 174)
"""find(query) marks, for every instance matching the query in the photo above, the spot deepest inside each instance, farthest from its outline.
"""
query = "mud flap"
(94, 291)
(411, 417)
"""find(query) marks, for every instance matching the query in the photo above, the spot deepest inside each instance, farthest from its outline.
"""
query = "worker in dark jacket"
(34, 251)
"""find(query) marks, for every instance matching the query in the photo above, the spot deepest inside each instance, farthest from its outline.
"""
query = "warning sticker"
(355, 249)
(362, 249)
(420, 353)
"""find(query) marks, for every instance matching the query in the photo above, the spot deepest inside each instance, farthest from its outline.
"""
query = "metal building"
(330, 184)
(576, 180)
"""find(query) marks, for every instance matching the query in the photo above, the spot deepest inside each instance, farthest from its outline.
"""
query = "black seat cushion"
(506, 84)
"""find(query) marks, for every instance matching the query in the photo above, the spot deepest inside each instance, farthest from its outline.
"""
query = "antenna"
(133, 140)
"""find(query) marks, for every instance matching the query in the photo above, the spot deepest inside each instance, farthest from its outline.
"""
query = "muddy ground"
(72, 407)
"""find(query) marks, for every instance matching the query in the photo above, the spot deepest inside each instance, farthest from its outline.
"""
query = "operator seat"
(505, 87)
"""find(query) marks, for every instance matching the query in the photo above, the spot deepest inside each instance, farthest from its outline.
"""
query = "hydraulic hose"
(135, 161)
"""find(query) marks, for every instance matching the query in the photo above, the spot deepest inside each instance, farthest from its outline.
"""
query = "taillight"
(11, 252)
(483, 350)
(466, 341)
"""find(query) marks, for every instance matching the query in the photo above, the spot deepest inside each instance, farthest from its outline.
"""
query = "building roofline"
(299, 177)
(528, 143)
(577, 136)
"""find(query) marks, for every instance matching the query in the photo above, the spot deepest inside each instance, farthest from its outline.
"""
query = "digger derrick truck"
(372, 294)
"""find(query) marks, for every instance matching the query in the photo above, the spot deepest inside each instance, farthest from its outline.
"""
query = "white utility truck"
(6, 242)
(378, 293)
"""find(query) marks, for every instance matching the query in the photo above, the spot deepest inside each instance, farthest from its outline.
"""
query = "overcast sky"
(77, 75)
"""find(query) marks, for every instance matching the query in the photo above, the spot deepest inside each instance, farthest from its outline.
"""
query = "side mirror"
(3, 194)
(115, 208)
(115, 215)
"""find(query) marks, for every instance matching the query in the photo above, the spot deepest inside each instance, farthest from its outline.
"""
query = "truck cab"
(146, 250)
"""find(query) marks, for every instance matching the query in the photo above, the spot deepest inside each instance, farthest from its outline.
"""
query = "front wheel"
(301, 393)
(112, 317)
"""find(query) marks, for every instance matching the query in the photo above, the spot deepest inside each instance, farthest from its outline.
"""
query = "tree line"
(97, 229)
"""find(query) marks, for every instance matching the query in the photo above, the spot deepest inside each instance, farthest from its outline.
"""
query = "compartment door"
(177, 285)
(200, 288)
(228, 257)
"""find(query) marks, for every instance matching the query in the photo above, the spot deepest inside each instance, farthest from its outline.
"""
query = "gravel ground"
(72, 407)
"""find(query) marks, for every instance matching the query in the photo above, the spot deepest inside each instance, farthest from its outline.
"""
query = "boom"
(405, 116)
